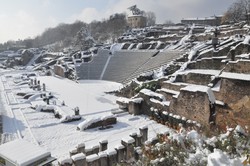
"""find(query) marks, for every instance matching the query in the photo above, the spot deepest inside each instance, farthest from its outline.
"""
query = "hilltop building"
(213, 20)
(137, 19)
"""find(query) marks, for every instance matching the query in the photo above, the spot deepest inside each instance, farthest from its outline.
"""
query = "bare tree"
(238, 11)
(168, 22)
(83, 39)
(151, 18)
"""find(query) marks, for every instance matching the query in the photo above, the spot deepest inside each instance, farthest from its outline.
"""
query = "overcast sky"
(20, 19)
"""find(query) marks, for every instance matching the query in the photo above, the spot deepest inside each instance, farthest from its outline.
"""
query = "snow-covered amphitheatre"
(176, 94)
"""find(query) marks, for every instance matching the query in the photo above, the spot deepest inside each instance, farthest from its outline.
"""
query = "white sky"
(20, 19)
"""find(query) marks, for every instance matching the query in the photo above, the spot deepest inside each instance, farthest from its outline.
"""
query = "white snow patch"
(152, 94)
(219, 158)
(235, 76)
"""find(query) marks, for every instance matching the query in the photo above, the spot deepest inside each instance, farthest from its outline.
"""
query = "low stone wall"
(168, 95)
(240, 66)
(222, 51)
(192, 105)
(207, 63)
(232, 90)
(227, 33)
(173, 86)
(194, 78)
(124, 153)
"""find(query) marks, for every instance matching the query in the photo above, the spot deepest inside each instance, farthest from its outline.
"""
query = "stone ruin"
(223, 72)
(127, 152)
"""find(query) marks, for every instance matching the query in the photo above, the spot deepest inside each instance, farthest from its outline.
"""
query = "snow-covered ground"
(20, 120)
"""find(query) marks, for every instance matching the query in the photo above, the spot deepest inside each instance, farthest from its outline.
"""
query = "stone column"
(128, 143)
(165, 116)
(171, 119)
(154, 140)
(44, 87)
(93, 160)
(39, 87)
(103, 159)
(81, 148)
(103, 145)
(184, 121)
(31, 82)
(120, 153)
(138, 153)
(88, 151)
(77, 111)
(79, 159)
(112, 157)
(66, 161)
(144, 133)
(95, 149)
(232, 51)
(138, 140)
(134, 106)
(47, 100)
(134, 135)
(73, 152)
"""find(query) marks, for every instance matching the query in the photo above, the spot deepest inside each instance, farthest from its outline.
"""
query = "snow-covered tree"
(83, 39)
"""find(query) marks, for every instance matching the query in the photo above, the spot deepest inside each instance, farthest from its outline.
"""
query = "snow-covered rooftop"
(20, 152)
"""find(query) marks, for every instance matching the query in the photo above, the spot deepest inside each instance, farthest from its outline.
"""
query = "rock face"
(194, 104)
(208, 63)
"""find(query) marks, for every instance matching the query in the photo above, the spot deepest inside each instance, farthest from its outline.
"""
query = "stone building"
(136, 21)
(213, 21)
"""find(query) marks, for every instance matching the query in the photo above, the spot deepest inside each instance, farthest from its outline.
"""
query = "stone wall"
(222, 51)
(240, 66)
(192, 105)
(242, 48)
(59, 70)
(233, 90)
(173, 86)
(231, 32)
(194, 78)
(207, 63)
(97, 156)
